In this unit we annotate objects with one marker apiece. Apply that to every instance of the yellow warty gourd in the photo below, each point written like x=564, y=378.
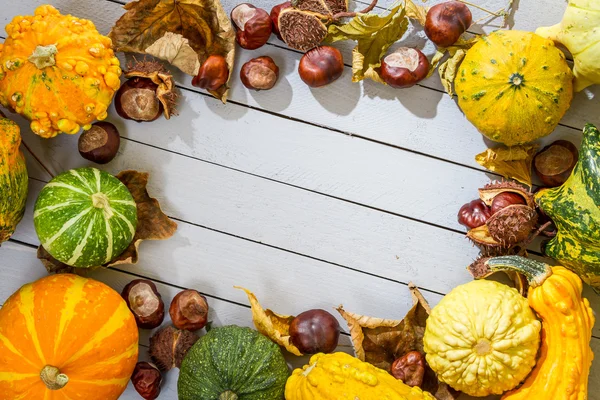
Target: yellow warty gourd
x=339, y=376
x=482, y=338
x=578, y=31
x=57, y=71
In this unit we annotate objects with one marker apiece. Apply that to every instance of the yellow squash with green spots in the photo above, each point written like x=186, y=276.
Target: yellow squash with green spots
x=482, y=338
x=57, y=71
x=339, y=376
x=575, y=209
x=13, y=178
x=514, y=86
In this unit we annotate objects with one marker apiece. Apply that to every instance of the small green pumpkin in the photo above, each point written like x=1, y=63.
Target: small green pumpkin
x=575, y=209
x=13, y=178
x=85, y=217
x=233, y=363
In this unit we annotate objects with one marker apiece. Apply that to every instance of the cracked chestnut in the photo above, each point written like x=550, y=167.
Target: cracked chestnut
x=169, y=346
x=253, y=26
x=404, y=68
x=213, y=73
x=445, y=22
x=189, y=310
x=146, y=380
x=144, y=301
x=315, y=331
x=506, y=199
x=321, y=66
x=100, y=143
x=410, y=368
x=136, y=99
x=260, y=73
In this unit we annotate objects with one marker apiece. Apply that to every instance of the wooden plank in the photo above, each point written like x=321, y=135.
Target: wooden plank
x=401, y=118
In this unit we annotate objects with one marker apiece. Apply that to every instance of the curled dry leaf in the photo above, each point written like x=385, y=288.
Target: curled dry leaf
x=153, y=224
x=380, y=341
x=416, y=12
x=448, y=69
x=274, y=326
x=511, y=162
x=145, y=26
x=374, y=34
x=156, y=72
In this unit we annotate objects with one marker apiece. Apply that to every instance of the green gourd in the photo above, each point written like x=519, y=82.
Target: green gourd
x=233, y=363
x=13, y=178
x=575, y=209
x=85, y=217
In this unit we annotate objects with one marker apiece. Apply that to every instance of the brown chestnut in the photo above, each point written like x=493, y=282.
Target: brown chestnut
x=146, y=380
x=275, y=17
x=253, y=26
x=145, y=303
x=506, y=199
x=410, y=368
x=189, y=310
x=136, y=100
x=169, y=346
x=445, y=22
x=100, y=143
x=213, y=73
x=555, y=162
x=315, y=331
x=260, y=73
x=404, y=67
x=321, y=66
x=474, y=214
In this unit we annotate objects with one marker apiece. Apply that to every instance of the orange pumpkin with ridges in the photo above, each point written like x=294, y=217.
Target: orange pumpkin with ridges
x=65, y=337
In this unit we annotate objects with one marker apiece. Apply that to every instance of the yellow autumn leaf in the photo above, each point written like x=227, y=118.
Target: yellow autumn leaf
x=510, y=162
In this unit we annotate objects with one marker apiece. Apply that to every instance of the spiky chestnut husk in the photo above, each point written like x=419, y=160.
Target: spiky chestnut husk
x=512, y=224
x=169, y=346
x=157, y=73
x=301, y=30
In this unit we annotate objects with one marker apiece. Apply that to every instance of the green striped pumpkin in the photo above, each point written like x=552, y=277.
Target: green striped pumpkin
x=85, y=217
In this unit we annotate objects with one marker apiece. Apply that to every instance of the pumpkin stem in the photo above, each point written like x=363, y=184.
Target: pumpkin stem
x=536, y=272
x=52, y=378
x=43, y=56
x=100, y=200
x=228, y=395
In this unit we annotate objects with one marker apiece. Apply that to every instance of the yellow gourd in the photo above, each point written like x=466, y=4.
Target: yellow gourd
x=339, y=376
x=482, y=338
x=567, y=320
x=514, y=86
x=57, y=71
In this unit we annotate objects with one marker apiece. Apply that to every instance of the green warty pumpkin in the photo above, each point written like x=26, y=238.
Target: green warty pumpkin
x=85, y=217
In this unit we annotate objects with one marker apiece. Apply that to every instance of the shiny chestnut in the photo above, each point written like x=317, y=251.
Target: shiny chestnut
x=321, y=66
x=100, y=143
x=145, y=303
x=315, y=331
x=189, y=310
x=404, y=68
x=253, y=26
x=213, y=73
x=136, y=99
x=275, y=17
x=555, y=162
x=146, y=380
x=410, y=368
x=506, y=199
x=445, y=22
x=474, y=214
x=260, y=73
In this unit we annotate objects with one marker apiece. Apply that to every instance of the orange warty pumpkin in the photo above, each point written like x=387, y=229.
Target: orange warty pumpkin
x=57, y=71
x=65, y=337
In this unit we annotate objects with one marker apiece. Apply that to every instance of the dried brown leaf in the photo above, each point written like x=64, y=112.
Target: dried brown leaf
x=381, y=341
x=274, y=326
x=153, y=224
x=156, y=72
x=203, y=23
x=175, y=49
x=511, y=162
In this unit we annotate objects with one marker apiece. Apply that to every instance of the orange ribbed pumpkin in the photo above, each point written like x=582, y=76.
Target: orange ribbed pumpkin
x=65, y=337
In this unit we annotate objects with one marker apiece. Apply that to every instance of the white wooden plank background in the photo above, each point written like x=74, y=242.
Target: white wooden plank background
x=309, y=197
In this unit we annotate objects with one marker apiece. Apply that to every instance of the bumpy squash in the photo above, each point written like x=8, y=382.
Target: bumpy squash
x=65, y=337
x=13, y=178
x=233, y=363
x=57, y=71
x=575, y=209
x=514, y=86
x=482, y=338
x=339, y=376
x=578, y=32
x=565, y=359
x=85, y=217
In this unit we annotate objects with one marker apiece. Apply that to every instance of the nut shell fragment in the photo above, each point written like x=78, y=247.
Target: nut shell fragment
x=301, y=30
